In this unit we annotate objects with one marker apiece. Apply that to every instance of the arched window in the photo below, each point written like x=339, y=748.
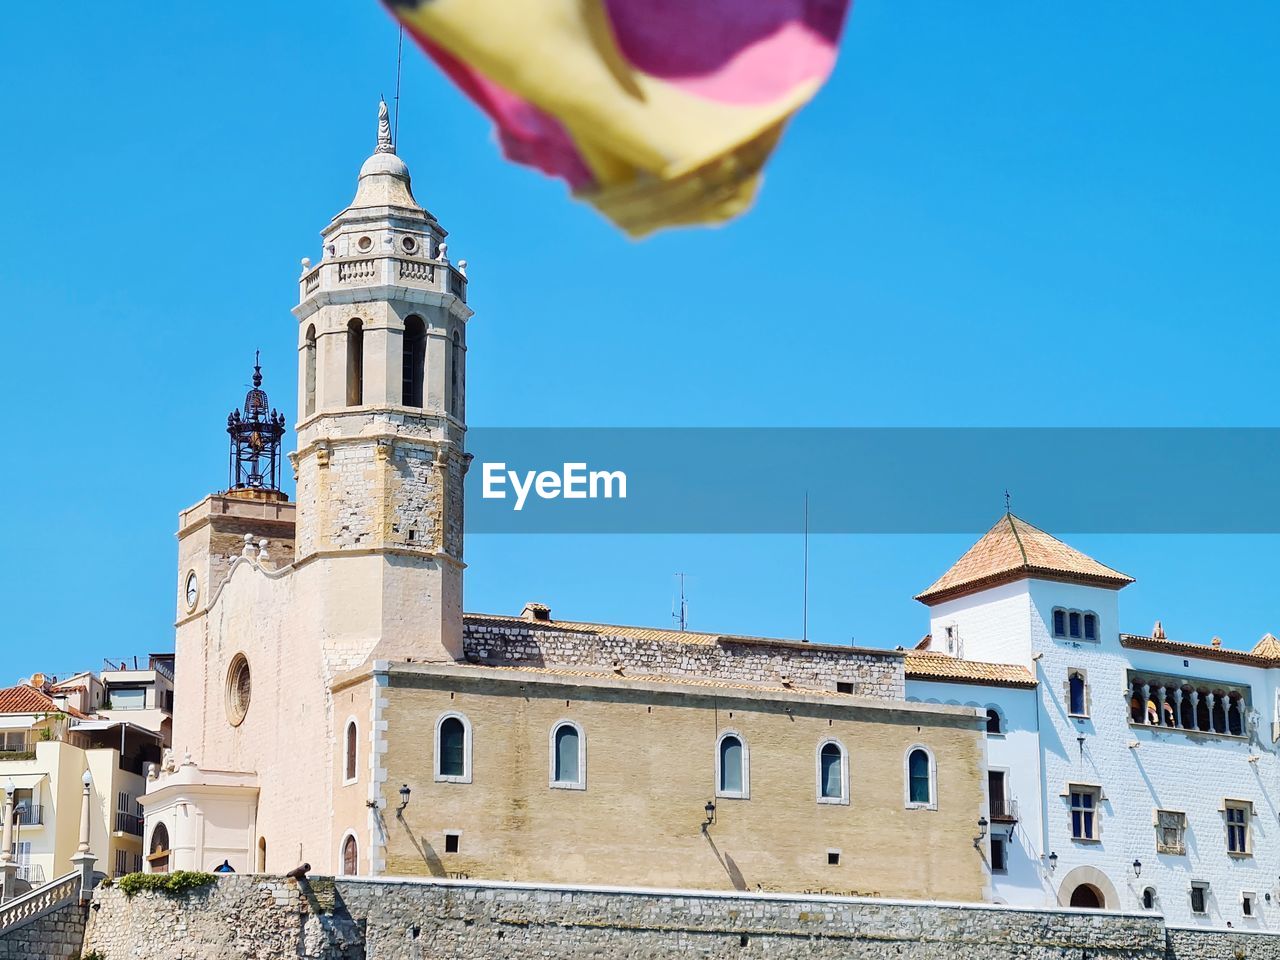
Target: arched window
x=262, y=855
x=453, y=749
x=159, y=849
x=415, y=361
x=995, y=725
x=455, y=376
x=309, y=370
x=833, y=773
x=355, y=363
x=732, y=768
x=349, y=758
x=1077, y=702
x=350, y=856
x=568, y=757
x=921, y=773
x=1149, y=898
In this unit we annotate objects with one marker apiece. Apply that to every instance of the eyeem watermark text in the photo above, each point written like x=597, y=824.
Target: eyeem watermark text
x=573, y=482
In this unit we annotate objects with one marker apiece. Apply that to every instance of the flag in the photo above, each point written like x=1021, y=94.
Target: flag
x=658, y=112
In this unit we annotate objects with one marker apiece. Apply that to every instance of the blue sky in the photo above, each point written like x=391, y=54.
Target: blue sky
x=1035, y=214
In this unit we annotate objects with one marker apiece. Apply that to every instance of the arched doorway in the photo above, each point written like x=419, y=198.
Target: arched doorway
x=159, y=855
x=1088, y=897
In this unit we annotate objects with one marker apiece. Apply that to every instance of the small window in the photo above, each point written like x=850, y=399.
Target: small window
x=731, y=760
x=920, y=774
x=1149, y=898
x=1090, y=627
x=455, y=376
x=349, y=764
x=833, y=858
x=568, y=757
x=355, y=363
x=1199, y=898
x=1237, y=815
x=995, y=726
x=1077, y=705
x=999, y=854
x=833, y=773
x=414, y=361
x=1171, y=829
x=1059, y=623
x=1074, y=631
x=1248, y=903
x=1084, y=813
x=843, y=686
x=453, y=749
x=309, y=373
x=350, y=857
x=452, y=842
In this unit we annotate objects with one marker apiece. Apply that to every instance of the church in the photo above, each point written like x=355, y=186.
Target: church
x=335, y=706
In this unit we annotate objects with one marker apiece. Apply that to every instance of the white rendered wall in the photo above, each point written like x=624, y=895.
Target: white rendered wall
x=992, y=625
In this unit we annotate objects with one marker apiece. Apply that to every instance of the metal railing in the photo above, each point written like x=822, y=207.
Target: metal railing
x=32, y=873
x=29, y=815
x=40, y=901
x=1005, y=811
x=128, y=823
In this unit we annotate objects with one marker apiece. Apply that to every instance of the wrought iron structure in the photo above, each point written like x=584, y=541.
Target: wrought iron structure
x=255, y=439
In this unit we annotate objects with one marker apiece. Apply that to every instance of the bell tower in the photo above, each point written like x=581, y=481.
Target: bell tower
x=381, y=461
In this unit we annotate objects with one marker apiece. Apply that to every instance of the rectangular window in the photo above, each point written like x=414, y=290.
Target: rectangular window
x=1237, y=829
x=128, y=698
x=1059, y=623
x=1199, y=896
x=999, y=854
x=1171, y=828
x=1084, y=813
x=13, y=741
x=1074, y=620
x=1247, y=903
x=452, y=842
x=843, y=687
x=833, y=858
x=1090, y=627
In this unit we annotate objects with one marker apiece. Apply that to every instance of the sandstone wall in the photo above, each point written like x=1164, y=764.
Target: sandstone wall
x=269, y=918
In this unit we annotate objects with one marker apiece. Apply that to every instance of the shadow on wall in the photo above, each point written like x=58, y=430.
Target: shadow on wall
x=329, y=922
x=726, y=861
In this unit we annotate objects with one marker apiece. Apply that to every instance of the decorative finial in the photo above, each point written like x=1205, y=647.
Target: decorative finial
x=384, y=130
x=1157, y=632
x=257, y=368
x=1008, y=501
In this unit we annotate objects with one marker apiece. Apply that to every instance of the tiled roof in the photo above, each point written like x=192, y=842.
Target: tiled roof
x=1265, y=654
x=27, y=699
x=1014, y=550
x=937, y=666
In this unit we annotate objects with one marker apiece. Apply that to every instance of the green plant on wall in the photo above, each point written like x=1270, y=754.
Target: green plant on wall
x=176, y=884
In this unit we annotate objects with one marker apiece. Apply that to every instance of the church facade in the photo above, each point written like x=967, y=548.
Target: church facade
x=336, y=707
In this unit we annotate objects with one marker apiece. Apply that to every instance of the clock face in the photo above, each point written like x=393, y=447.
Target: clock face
x=193, y=589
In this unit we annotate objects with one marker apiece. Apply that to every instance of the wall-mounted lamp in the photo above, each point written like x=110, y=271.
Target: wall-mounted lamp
x=405, y=794
x=710, y=811
x=1137, y=868
x=1053, y=863
x=982, y=832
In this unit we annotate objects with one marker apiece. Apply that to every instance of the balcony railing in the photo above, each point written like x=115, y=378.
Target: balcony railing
x=33, y=873
x=1004, y=811
x=30, y=815
x=128, y=823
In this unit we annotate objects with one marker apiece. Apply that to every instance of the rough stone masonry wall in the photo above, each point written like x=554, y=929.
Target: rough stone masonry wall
x=55, y=936
x=259, y=918
x=872, y=673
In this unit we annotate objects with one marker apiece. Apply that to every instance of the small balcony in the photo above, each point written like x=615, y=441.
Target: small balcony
x=29, y=815
x=1004, y=811
x=32, y=873
x=128, y=823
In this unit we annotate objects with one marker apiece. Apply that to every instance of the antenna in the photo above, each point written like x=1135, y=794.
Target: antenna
x=399, y=64
x=804, y=627
x=681, y=617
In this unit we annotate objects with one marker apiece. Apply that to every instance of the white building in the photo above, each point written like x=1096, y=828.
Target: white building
x=1144, y=771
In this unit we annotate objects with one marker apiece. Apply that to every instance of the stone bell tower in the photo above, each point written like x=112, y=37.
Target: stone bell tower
x=380, y=462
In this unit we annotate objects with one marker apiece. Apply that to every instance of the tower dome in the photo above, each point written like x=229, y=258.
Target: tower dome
x=384, y=178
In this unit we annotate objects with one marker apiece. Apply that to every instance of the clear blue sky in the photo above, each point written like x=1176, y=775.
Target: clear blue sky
x=1035, y=214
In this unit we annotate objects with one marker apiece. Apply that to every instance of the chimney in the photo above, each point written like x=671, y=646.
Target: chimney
x=538, y=612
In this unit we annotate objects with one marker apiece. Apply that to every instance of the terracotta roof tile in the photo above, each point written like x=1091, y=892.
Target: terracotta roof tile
x=1265, y=654
x=27, y=699
x=1014, y=550
x=937, y=666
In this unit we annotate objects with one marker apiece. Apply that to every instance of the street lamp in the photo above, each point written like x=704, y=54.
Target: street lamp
x=405, y=794
x=1053, y=863
x=982, y=832
x=710, y=811
x=1137, y=868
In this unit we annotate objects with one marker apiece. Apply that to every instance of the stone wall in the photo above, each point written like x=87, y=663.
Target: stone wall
x=260, y=918
x=55, y=936
x=509, y=642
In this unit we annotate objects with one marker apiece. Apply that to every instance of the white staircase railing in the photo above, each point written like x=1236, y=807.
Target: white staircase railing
x=40, y=901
